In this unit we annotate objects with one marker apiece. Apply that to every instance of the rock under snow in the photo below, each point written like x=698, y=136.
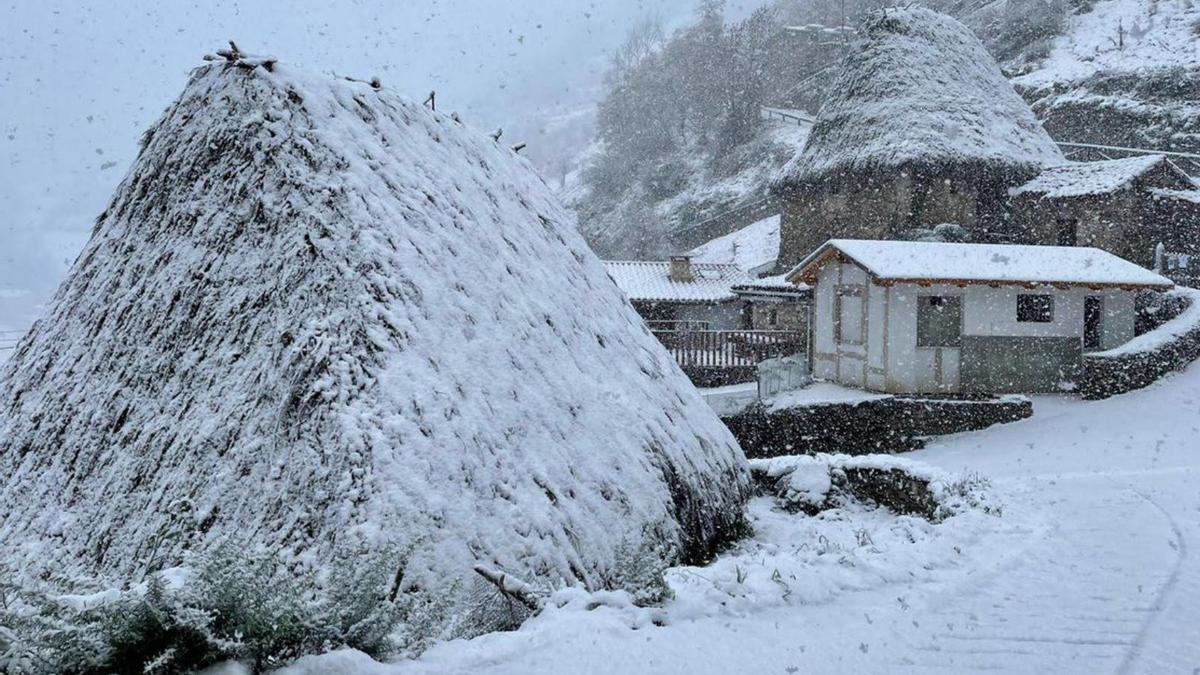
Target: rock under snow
x=319, y=318
x=754, y=248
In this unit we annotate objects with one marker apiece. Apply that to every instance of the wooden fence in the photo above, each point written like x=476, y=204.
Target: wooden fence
x=730, y=348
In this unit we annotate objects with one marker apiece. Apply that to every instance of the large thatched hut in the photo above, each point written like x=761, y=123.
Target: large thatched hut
x=322, y=321
x=921, y=128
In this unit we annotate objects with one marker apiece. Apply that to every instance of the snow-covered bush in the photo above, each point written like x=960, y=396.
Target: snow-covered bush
x=816, y=483
x=230, y=604
x=637, y=567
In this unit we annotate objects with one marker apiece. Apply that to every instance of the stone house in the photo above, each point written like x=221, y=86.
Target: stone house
x=917, y=317
x=922, y=128
x=680, y=294
x=772, y=303
x=776, y=304
x=1124, y=206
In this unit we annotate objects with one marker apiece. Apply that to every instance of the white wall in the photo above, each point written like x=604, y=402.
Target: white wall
x=891, y=361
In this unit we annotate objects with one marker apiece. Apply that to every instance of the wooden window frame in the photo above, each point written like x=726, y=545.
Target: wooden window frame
x=957, y=342
x=1049, y=309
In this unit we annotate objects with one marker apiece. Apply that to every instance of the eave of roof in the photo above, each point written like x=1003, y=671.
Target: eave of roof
x=806, y=272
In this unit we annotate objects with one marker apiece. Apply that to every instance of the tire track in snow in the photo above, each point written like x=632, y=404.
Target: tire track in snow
x=1168, y=587
x=1076, y=601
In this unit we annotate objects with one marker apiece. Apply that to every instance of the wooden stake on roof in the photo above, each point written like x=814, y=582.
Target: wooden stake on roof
x=231, y=54
x=431, y=100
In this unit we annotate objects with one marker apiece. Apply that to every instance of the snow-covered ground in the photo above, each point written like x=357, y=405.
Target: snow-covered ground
x=733, y=398
x=821, y=393
x=1122, y=36
x=1091, y=568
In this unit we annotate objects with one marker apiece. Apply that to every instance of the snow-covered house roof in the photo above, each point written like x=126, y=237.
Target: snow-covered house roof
x=1081, y=179
x=650, y=281
x=326, y=321
x=754, y=248
x=928, y=262
x=776, y=285
x=1191, y=196
x=919, y=89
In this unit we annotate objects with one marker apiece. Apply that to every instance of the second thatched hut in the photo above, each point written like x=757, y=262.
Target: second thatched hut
x=921, y=128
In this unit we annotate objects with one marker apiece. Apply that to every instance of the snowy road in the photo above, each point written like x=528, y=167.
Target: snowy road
x=1100, y=573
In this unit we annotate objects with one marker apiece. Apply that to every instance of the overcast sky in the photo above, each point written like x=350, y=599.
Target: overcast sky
x=81, y=80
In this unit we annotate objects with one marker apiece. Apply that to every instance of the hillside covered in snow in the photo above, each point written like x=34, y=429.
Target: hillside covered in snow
x=1123, y=72
x=321, y=321
x=1110, y=72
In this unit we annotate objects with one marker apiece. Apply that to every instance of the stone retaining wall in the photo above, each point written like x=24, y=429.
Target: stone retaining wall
x=719, y=376
x=889, y=424
x=1166, y=349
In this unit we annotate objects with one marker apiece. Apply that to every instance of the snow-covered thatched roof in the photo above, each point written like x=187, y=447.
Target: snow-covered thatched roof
x=920, y=262
x=754, y=248
x=650, y=281
x=324, y=320
x=919, y=89
x=1082, y=179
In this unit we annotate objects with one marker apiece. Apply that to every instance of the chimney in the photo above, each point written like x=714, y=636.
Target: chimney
x=681, y=268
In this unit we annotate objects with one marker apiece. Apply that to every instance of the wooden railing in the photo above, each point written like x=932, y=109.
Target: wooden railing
x=730, y=348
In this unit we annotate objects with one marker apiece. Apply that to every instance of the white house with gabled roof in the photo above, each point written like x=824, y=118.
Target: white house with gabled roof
x=917, y=317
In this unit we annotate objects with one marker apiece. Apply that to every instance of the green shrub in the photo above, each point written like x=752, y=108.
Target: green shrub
x=638, y=568
x=234, y=605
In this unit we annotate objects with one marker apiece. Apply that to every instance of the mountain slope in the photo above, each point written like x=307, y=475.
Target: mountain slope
x=1125, y=73
x=322, y=320
x=1112, y=72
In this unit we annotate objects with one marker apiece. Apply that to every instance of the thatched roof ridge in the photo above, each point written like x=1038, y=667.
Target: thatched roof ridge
x=920, y=90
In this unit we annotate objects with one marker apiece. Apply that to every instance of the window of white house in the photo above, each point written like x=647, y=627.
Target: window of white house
x=773, y=318
x=848, y=315
x=939, y=321
x=1035, y=308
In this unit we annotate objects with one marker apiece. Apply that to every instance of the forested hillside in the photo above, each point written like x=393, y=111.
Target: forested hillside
x=680, y=119
x=681, y=137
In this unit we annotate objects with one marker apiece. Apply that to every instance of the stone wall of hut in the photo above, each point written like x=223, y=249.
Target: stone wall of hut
x=1116, y=223
x=883, y=207
x=787, y=315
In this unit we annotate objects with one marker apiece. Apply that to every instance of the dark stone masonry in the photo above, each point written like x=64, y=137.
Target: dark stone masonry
x=884, y=425
x=1105, y=375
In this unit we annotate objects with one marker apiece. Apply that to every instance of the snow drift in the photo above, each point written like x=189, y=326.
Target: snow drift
x=319, y=318
x=919, y=89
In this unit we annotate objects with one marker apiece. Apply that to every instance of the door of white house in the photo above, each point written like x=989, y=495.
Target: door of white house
x=939, y=341
x=1093, y=323
x=850, y=334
